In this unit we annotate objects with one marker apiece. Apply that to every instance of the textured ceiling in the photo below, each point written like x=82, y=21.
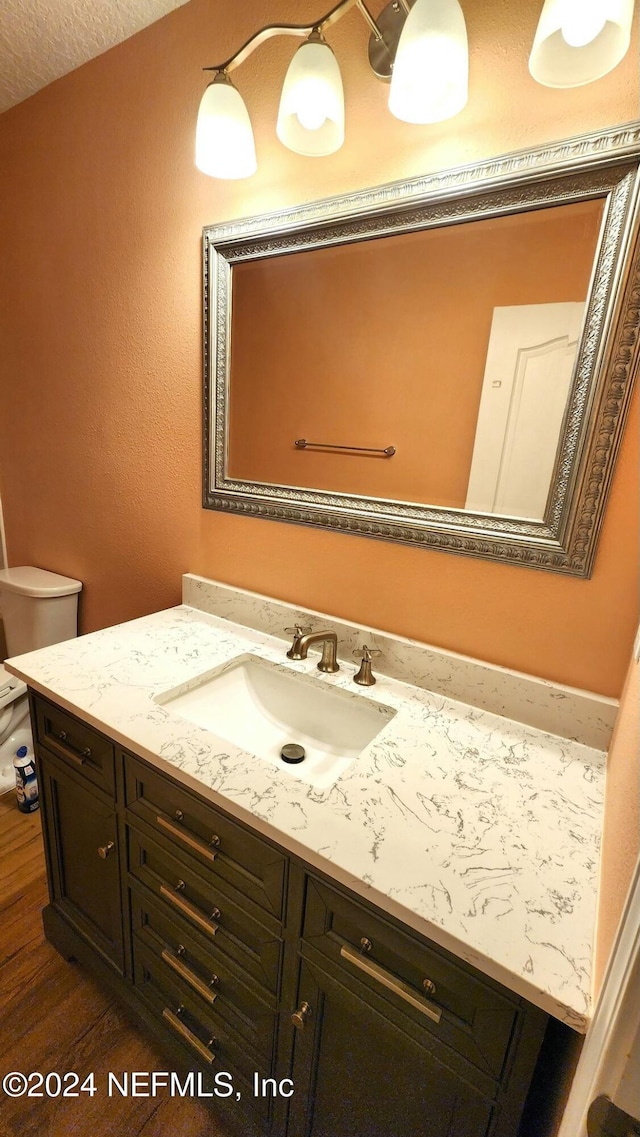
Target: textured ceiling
x=40, y=40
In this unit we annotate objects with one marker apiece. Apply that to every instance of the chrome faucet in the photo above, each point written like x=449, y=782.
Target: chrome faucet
x=303, y=638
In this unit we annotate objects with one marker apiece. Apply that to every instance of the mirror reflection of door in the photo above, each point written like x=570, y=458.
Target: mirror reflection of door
x=528, y=372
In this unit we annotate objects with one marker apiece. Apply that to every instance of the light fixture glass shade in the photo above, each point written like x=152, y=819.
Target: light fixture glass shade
x=430, y=77
x=311, y=114
x=224, y=138
x=578, y=41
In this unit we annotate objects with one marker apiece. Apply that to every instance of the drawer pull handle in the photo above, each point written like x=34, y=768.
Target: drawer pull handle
x=185, y=973
x=79, y=759
x=187, y=839
x=189, y=910
x=386, y=979
x=189, y=1036
x=299, y=1017
x=105, y=850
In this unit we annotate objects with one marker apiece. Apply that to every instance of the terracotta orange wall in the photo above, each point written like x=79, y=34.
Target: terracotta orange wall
x=101, y=212
x=621, y=835
x=384, y=343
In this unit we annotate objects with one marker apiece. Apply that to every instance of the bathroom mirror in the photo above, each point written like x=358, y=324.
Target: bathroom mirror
x=445, y=361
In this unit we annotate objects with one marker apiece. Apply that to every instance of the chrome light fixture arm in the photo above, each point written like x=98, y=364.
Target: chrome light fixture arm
x=301, y=31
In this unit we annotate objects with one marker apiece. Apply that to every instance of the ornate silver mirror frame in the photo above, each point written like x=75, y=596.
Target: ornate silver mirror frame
x=604, y=165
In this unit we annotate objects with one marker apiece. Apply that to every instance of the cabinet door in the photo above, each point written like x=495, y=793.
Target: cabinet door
x=81, y=834
x=356, y=1072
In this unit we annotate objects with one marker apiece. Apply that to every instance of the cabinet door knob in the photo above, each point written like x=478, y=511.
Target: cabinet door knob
x=86, y=753
x=299, y=1017
x=62, y=736
x=429, y=986
x=105, y=850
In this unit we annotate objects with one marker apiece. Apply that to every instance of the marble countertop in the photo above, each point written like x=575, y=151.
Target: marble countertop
x=481, y=833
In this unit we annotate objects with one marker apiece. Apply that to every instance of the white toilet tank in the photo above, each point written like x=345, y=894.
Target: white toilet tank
x=38, y=608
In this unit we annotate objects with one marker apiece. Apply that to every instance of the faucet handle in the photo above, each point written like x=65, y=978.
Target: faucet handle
x=364, y=676
x=298, y=631
x=366, y=653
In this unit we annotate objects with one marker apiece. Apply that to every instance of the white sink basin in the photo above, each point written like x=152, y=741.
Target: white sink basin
x=260, y=707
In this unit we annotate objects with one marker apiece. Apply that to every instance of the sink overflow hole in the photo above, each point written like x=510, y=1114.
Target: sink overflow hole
x=292, y=752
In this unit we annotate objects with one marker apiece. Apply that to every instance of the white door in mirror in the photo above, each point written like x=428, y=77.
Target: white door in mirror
x=530, y=361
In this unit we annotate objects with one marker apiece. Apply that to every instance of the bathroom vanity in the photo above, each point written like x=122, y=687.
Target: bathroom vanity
x=368, y=957
x=257, y=966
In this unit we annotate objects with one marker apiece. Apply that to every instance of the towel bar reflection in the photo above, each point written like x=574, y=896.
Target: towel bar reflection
x=387, y=452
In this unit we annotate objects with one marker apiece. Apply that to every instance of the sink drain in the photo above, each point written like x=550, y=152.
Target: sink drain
x=293, y=753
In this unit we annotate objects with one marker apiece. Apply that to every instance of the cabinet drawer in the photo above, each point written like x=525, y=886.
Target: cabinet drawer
x=205, y=1037
x=213, y=981
x=475, y=1018
x=204, y=836
x=84, y=749
x=195, y=901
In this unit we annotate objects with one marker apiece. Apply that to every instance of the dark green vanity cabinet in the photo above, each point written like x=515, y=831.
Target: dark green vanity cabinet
x=332, y=1018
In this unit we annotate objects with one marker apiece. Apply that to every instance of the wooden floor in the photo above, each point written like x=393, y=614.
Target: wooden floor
x=54, y=1019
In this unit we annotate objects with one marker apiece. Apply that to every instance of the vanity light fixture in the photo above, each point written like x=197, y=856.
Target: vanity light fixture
x=311, y=115
x=421, y=47
x=224, y=138
x=578, y=41
x=430, y=79
x=426, y=39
